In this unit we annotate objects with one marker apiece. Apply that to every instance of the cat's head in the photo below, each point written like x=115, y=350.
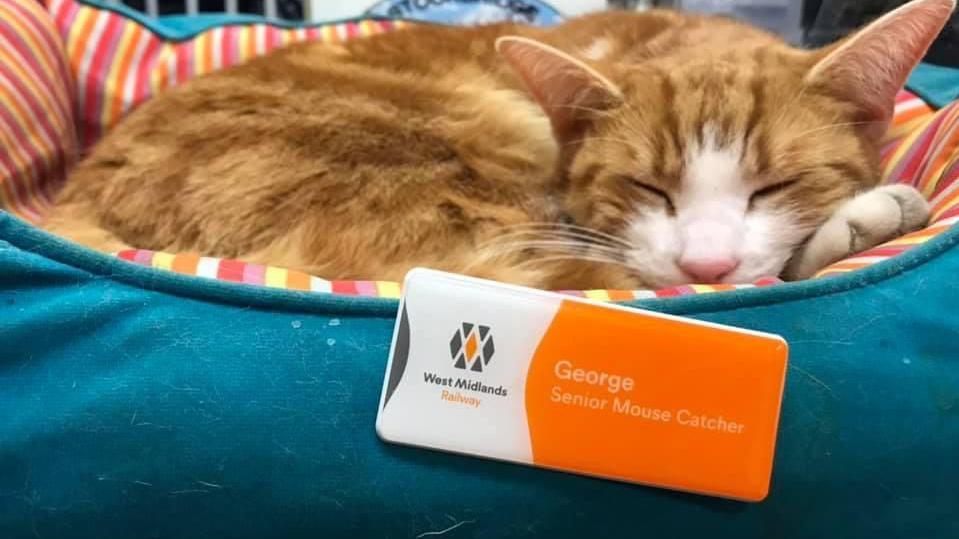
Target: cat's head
x=716, y=164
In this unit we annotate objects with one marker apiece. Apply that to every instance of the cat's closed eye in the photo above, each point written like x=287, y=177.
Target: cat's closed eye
x=655, y=191
x=769, y=191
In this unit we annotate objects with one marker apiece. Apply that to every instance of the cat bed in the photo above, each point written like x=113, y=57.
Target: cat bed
x=144, y=402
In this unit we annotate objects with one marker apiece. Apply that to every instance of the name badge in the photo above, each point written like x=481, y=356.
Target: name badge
x=509, y=373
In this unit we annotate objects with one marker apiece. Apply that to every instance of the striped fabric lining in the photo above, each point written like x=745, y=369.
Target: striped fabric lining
x=118, y=64
x=37, y=137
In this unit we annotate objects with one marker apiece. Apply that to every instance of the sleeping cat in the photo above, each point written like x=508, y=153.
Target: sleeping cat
x=619, y=150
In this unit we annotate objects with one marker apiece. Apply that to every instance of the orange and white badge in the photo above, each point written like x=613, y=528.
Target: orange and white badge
x=510, y=373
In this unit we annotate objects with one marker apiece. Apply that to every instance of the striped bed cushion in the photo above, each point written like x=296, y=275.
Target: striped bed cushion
x=117, y=64
x=37, y=136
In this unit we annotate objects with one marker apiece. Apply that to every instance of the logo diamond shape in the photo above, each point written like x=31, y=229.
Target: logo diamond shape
x=471, y=347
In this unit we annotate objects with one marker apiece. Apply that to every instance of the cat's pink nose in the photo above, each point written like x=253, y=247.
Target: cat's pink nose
x=708, y=270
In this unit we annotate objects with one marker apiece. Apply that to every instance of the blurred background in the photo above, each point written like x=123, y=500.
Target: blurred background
x=807, y=22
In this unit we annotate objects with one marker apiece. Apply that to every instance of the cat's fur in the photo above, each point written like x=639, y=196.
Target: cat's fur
x=655, y=149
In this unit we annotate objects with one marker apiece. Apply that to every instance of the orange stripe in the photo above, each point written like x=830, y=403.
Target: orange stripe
x=620, y=295
x=159, y=75
x=946, y=204
x=208, y=53
x=907, y=116
x=250, y=33
x=121, y=75
x=186, y=263
x=296, y=280
x=78, y=39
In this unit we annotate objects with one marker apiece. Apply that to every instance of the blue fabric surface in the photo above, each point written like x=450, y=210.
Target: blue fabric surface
x=139, y=403
x=937, y=85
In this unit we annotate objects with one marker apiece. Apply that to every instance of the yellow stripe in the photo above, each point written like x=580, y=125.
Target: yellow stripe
x=77, y=31
x=910, y=240
x=702, y=288
x=163, y=261
x=200, y=46
x=388, y=289
x=598, y=295
x=243, y=45
x=275, y=277
x=326, y=33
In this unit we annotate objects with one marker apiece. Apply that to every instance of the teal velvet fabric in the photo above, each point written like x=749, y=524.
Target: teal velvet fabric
x=937, y=85
x=139, y=403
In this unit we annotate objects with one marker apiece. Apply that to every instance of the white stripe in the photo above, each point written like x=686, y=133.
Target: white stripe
x=192, y=7
x=92, y=45
x=341, y=31
x=217, y=38
x=171, y=66
x=910, y=105
x=207, y=267
x=153, y=8
x=259, y=39
x=270, y=8
x=231, y=6
x=953, y=187
x=320, y=285
x=863, y=259
x=129, y=85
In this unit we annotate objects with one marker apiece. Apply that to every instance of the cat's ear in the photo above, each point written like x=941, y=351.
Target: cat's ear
x=568, y=90
x=870, y=67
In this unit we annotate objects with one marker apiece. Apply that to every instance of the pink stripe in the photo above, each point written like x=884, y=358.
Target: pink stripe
x=254, y=274
x=151, y=56
x=366, y=288
x=272, y=38
x=143, y=257
x=230, y=46
x=184, y=61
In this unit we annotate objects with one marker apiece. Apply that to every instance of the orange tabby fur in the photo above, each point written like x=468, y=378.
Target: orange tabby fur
x=422, y=147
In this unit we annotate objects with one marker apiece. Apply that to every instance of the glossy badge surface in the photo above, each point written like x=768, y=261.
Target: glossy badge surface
x=516, y=374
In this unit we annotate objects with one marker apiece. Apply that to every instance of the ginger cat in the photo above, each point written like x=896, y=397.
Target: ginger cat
x=619, y=150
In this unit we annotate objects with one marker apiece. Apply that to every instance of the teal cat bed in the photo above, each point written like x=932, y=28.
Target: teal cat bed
x=140, y=403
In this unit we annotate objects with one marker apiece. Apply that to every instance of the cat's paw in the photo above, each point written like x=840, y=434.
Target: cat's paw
x=862, y=223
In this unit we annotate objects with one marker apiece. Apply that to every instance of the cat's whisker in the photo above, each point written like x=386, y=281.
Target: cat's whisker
x=571, y=226
x=553, y=235
x=825, y=127
x=587, y=109
x=785, y=110
x=586, y=258
x=554, y=245
x=605, y=139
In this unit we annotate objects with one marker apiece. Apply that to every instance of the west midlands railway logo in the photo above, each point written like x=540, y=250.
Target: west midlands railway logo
x=472, y=347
